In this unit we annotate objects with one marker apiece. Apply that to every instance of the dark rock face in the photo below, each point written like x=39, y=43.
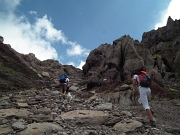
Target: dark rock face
x=163, y=34
x=165, y=43
x=1, y=39
x=14, y=73
x=113, y=64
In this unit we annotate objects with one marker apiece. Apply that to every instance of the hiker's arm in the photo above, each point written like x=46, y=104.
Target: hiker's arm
x=67, y=81
x=134, y=83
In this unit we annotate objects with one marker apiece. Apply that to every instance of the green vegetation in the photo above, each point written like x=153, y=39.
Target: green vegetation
x=7, y=69
x=173, y=90
x=168, y=44
x=38, y=87
x=24, y=89
x=157, y=55
x=39, y=72
x=177, y=104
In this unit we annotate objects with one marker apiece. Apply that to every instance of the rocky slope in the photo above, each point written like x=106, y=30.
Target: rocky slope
x=14, y=73
x=24, y=71
x=42, y=112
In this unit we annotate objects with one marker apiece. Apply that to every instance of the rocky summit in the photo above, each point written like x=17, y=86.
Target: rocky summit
x=100, y=101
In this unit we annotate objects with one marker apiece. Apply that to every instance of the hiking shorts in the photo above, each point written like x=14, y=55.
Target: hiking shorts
x=144, y=93
x=63, y=87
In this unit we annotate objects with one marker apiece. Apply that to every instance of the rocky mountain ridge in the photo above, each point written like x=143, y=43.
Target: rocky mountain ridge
x=101, y=104
x=160, y=59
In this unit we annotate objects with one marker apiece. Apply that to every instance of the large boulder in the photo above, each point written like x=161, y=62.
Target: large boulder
x=39, y=128
x=85, y=117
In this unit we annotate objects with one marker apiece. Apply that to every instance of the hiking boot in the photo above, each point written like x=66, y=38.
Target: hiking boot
x=64, y=96
x=152, y=123
x=61, y=97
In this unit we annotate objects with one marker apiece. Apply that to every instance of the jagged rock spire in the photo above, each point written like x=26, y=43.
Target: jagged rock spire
x=1, y=39
x=170, y=21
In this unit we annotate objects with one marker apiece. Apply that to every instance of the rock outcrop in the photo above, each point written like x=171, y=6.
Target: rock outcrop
x=1, y=39
x=111, y=65
x=164, y=44
x=162, y=34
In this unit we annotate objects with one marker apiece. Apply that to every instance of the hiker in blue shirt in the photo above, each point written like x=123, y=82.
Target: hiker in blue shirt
x=64, y=80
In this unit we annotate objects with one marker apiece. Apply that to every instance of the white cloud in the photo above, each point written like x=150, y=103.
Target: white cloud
x=24, y=38
x=37, y=37
x=172, y=10
x=77, y=49
x=81, y=65
x=45, y=28
x=33, y=12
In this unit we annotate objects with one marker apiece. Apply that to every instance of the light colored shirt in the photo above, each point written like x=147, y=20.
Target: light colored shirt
x=67, y=80
x=135, y=77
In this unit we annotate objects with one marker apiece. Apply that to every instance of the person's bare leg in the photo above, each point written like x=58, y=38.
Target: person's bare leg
x=152, y=122
x=61, y=90
x=148, y=111
x=65, y=89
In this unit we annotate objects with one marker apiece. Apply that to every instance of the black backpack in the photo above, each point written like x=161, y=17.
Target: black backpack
x=144, y=79
x=63, y=79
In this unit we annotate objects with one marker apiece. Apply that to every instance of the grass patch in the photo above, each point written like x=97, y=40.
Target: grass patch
x=157, y=55
x=168, y=44
x=7, y=69
x=38, y=87
x=39, y=72
x=173, y=90
x=24, y=89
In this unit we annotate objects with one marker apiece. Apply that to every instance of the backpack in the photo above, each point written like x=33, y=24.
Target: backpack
x=63, y=79
x=144, y=79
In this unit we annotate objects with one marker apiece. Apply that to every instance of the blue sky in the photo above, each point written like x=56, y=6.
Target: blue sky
x=67, y=30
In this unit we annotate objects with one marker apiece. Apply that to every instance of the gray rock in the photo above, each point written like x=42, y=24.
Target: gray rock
x=126, y=127
x=19, y=125
x=85, y=117
x=39, y=128
x=105, y=106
